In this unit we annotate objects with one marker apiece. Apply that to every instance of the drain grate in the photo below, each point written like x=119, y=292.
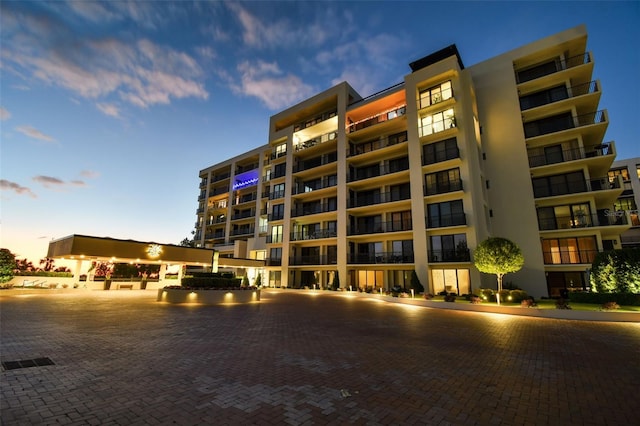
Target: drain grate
x=25, y=363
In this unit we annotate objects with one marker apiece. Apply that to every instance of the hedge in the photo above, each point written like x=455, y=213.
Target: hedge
x=211, y=282
x=628, y=299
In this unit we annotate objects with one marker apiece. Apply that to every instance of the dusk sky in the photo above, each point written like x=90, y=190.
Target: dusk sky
x=110, y=109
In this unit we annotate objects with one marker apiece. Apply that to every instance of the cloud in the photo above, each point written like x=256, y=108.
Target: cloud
x=140, y=72
x=109, y=109
x=266, y=82
x=6, y=185
x=34, y=133
x=89, y=174
x=49, y=181
x=4, y=114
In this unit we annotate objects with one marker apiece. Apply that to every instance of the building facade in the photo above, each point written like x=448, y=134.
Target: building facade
x=627, y=203
x=364, y=191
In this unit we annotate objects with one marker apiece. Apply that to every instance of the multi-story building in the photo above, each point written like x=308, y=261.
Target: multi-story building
x=627, y=203
x=414, y=177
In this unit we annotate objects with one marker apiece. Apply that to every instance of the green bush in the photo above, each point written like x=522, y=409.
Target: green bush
x=44, y=274
x=211, y=282
x=518, y=296
x=627, y=299
x=616, y=271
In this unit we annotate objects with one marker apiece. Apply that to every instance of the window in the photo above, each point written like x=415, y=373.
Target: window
x=549, y=186
x=402, y=251
x=398, y=138
x=401, y=221
x=279, y=170
x=440, y=151
x=547, y=125
x=442, y=182
x=277, y=212
x=278, y=191
x=625, y=204
x=281, y=150
x=613, y=174
x=275, y=278
x=400, y=192
x=451, y=281
x=276, y=234
x=450, y=213
x=276, y=254
x=332, y=255
x=544, y=97
x=558, y=251
x=448, y=248
x=565, y=217
x=437, y=122
x=436, y=94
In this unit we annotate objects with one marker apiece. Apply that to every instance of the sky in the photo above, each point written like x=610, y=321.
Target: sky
x=109, y=110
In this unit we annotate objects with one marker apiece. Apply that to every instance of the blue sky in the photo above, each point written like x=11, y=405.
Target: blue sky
x=110, y=109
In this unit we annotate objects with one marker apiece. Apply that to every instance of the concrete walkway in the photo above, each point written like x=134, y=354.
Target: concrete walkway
x=299, y=358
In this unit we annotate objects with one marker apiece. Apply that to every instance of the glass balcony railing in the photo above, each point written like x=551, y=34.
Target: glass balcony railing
x=316, y=208
x=451, y=255
x=301, y=188
x=442, y=187
x=382, y=257
x=317, y=259
x=313, y=234
x=606, y=218
x=242, y=231
x=556, y=94
x=390, y=226
x=555, y=156
x=562, y=122
x=376, y=144
x=311, y=163
x=550, y=67
x=327, y=137
x=441, y=221
x=544, y=187
x=569, y=256
x=378, y=118
x=379, y=170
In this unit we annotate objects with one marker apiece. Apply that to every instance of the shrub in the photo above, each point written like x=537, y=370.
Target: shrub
x=428, y=296
x=562, y=304
x=609, y=306
x=475, y=300
x=616, y=271
x=504, y=295
x=211, y=282
x=442, y=293
x=518, y=296
x=627, y=299
x=529, y=302
x=451, y=297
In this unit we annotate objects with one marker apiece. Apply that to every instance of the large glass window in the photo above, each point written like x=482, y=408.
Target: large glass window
x=276, y=234
x=442, y=182
x=569, y=250
x=448, y=248
x=436, y=94
x=449, y=213
x=614, y=173
x=437, y=122
x=440, y=151
x=565, y=217
x=569, y=183
x=451, y=281
x=275, y=278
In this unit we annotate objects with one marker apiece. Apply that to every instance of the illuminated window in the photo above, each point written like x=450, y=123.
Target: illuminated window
x=613, y=173
x=436, y=94
x=451, y=281
x=276, y=234
x=558, y=251
x=281, y=150
x=437, y=122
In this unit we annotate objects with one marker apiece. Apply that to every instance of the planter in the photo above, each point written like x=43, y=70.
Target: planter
x=208, y=297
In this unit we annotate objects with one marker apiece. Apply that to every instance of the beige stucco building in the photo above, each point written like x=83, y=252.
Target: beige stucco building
x=416, y=176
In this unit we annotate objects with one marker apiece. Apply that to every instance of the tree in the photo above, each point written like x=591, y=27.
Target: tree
x=7, y=265
x=498, y=256
x=258, y=281
x=23, y=265
x=49, y=264
x=616, y=271
x=336, y=281
x=416, y=285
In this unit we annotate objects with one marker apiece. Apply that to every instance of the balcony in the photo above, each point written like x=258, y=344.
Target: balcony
x=244, y=214
x=551, y=67
x=557, y=94
x=388, y=167
x=305, y=210
x=242, y=231
x=277, y=153
x=246, y=168
x=315, y=120
x=305, y=235
x=554, y=155
x=379, y=198
x=443, y=187
x=247, y=198
x=376, y=144
x=379, y=258
x=327, y=137
x=377, y=118
x=274, y=239
x=221, y=176
x=456, y=219
x=313, y=260
x=273, y=261
x=543, y=187
x=577, y=221
x=275, y=216
x=314, y=185
x=311, y=163
x=390, y=226
x=569, y=257
x=203, y=183
x=563, y=122
x=214, y=236
x=433, y=156
x=450, y=255
x=276, y=194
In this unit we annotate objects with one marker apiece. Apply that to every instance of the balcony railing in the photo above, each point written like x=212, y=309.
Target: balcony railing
x=362, y=148
x=562, y=122
x=301, y=188
x=243, y=215
x=452, y=255
x=273, y=261
x=440, y=156
x=216, y=221
x=245, y=198
x=379, y=198
x=391, y=226
x=555, y=95
x=305, y=210
x=318, y=259
x=214, y=236
x=246, y=168
x=242, y=231
x=380, y=170
x=596, y=184
x=607, y=218
x=315, y=162
x=273, y=239
x=568, y=256
x=315, y=120
x=382, y=257
x=277, y=154
x=313, y=235
x=275, y=216
x=441, y=221
x=443, y=187
x=222, y=176
x=551, y=67
x=276, y=194
x=378, y=118
x=327, y=137
x=569, y=155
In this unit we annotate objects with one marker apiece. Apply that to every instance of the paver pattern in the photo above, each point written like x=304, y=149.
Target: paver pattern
x=121, y=358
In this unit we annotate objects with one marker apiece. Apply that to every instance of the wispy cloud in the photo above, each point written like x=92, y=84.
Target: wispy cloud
x=266, y=82
x=6, y=185
x=34, y=133
x=49, y=181
x=89, y=174
x=140, y=72
x=4, y=114
x=109, y=109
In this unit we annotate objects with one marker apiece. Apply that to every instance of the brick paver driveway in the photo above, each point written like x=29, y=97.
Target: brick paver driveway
x=122, y=358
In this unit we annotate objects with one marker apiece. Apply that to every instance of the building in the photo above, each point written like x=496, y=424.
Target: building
x=627, y=203
x=367, y=190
